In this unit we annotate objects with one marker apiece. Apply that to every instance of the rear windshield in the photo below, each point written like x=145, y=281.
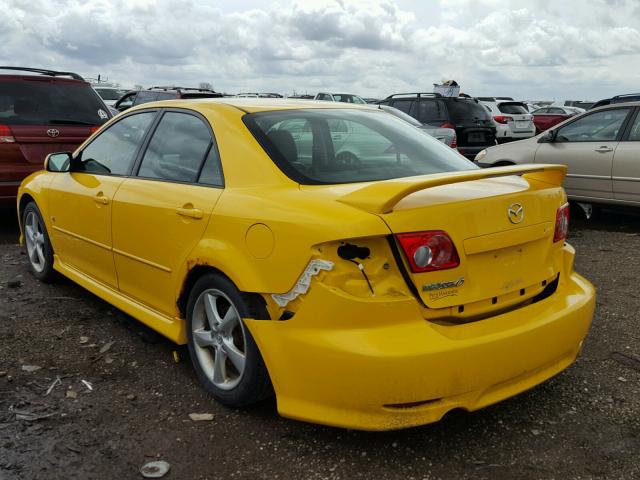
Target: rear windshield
x=512, y=108
x=332, y=146
x=34, y=102
x=462, y=111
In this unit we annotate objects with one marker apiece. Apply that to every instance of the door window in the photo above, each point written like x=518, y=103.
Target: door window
x=177, y=148
x=403, y=105
x=634, y=133
x=597, y=127
x=211, y=173
x=430, y=111
x=113, y=151
x=145, y=97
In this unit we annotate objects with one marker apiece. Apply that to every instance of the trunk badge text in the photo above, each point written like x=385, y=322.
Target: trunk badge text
x=515, y=213
x=53, y=132
x=442, y=285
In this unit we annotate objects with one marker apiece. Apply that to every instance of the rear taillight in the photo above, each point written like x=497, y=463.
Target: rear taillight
x=562, y=223
x=93, y=130
x=454, y=142
x=503, y=119
x=428, y=251
x=448, y=125
x=6, y=135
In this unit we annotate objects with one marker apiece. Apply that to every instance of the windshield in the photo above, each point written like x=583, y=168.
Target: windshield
x=45, y=102
x=110, y=93
x=332, y=146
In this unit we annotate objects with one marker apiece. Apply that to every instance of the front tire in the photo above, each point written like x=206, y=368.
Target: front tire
x=37, y=243
x=223, y=352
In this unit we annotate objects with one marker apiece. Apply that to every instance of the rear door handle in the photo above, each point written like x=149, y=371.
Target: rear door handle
x=101, y=199
x=189, y=211
x=604, y=149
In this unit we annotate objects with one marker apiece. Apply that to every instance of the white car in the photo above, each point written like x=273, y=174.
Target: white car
x=339, y=97
x=600, y=147
x=513, y=121
x=110, y=95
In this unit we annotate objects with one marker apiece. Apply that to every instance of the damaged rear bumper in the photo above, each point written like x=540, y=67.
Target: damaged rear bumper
x=377, y=364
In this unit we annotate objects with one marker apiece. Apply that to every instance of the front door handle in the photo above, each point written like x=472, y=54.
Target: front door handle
x=189, y=211
x=604, y=149
x=101, y=199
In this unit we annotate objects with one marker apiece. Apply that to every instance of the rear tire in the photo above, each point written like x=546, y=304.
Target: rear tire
x=37, y=244
x=223, y=352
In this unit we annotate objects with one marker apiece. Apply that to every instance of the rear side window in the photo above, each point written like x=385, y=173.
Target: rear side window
x=113, y=151
x=177, y=149
x=430, y=111
x=145, y=97
x=515, y=108
x=465, y=110
x=211, y=173
x=37, y=102
x=403, y=105
x=166, y=96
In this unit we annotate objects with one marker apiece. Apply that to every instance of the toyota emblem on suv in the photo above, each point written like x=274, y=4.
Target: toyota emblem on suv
x=53, y=132
x=515, y=213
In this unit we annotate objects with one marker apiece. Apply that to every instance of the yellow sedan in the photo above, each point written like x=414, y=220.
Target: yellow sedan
x=333, y=255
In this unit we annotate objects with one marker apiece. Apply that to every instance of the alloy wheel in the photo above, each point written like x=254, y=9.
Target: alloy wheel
x=219, y=339
x=34, y=239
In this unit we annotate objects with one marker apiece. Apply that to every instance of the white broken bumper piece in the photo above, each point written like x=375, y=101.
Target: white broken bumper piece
x=304, y=282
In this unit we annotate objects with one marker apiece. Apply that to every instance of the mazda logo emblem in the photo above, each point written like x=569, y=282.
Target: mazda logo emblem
x=515, y=213
x=53, y=132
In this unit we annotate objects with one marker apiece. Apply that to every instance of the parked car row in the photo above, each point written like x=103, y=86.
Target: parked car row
x=601, y=148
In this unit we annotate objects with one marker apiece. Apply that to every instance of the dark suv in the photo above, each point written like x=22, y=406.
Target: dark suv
x=472, y=122
x=153, y=94
x=42, y=111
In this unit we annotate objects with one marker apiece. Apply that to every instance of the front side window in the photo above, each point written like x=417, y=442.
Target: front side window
x=114, y=150
x=177, y=149
x=348, y=146
x=597, y=127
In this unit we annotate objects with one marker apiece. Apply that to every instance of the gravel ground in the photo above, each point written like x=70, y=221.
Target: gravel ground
x=583, y=424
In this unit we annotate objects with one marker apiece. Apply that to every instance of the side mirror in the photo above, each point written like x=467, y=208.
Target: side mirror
x=58, y=162
x=548, y=137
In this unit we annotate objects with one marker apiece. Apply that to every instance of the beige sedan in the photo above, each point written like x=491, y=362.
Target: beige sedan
x=601, y=147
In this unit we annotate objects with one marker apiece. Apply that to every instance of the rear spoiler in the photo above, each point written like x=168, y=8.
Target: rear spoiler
x=381, y=197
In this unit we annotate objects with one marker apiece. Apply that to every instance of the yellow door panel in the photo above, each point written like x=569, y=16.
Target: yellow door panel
x=155, y=226
x=80, y=207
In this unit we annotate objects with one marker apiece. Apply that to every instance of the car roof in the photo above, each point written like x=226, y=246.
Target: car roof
x=252, y=105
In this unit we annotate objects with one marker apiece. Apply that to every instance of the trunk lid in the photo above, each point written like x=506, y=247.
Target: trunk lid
x=498, y=258
x=37, y=141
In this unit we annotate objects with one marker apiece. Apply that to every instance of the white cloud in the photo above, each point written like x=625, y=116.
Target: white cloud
x=530, y=49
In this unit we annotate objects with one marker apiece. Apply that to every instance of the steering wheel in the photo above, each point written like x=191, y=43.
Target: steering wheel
x=348, y=158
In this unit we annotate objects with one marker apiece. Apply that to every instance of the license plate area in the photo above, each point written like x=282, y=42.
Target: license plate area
x=476, y=137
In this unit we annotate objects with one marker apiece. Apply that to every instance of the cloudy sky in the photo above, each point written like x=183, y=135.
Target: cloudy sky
x=530, y=49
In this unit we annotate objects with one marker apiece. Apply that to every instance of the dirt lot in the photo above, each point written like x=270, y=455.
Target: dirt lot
x=583, y=424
